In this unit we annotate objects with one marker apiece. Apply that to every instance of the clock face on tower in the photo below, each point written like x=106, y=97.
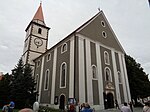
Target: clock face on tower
x=38, y=42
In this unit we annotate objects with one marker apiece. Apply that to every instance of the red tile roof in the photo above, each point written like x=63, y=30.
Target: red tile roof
x=39, y=14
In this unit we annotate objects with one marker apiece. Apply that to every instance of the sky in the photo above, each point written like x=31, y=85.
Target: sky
x=130, y=20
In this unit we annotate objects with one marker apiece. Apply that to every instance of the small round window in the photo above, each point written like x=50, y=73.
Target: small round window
x=103, y=23
x=104, y=34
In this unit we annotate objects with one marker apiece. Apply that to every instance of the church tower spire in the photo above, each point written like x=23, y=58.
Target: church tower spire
x=36, y=39
x=39, y=14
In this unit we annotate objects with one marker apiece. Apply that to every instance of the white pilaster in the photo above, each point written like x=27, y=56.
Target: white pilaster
x=126, y=77
x=99, y=72
x=81, y=71
x=71, y=77
x=116, y=77
x=123, y=78
x=41, y=78
x=89, y=73
x=54, y=76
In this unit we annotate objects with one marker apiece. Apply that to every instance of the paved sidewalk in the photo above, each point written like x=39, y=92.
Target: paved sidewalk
x=116, y=110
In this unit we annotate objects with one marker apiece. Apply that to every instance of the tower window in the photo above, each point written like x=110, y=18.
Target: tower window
x=39, y=31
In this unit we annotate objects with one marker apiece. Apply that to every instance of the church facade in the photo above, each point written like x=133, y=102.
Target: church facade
x=87, y=65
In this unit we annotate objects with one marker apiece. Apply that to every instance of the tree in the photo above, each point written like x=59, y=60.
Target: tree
x=30, y=86
x=4, y=89
x=138, y=79
x=22, y=86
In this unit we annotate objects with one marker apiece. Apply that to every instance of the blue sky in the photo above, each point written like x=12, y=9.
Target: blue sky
x=129, y=20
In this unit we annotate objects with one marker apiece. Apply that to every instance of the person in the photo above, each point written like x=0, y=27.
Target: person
x=5, y=108
x=146, y=107
x=26, y=110
x=82, y=106
x=11, y=106
x=125, y=108
x=116, y=103
x=72, y=108
x=131, y=106
x=87, y=108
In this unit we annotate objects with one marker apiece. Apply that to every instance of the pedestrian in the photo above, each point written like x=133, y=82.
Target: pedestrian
x=82, y=106
x=146, y=107
x=5, y=108
x=11, y=106
x=131, y=106
x=116, y=103
x=72, y=108
x=87, y=108
x=125, y=108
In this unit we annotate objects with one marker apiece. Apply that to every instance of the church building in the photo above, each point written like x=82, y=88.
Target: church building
x=88, y=65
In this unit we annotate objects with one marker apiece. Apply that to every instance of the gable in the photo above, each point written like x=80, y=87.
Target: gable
x=93, y=29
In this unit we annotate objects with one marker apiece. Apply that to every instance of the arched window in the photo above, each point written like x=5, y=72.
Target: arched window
x=106, y=58
x=108, y=76
x=63, y=73
x=94, y=71
x=64, y=48
x=39, y=31
x=48, y=57
x=38, y=63
x=37, y=81
x=46, y=82
x=119, y=77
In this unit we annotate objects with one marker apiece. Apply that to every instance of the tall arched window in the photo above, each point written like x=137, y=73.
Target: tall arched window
x=94, y=71
x=39, y=31
x=37, y=81
x=119, y=77
x=64, y=48
x=108, y=76
x=106, y=58
x=46, y=82
x=63, y=73
x=48, y=57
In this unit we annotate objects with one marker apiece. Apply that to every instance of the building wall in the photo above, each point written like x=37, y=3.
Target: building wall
x=86, y=49
x=62, y=58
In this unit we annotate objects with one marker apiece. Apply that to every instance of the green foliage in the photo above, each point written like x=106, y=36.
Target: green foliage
x=138, y=79
x=4, y=89
x=22, y=86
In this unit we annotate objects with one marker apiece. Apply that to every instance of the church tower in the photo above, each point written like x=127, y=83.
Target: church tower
x=36, y=39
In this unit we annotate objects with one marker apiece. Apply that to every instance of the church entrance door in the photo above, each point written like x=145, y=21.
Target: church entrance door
x=62, y=102
x=110, y=100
